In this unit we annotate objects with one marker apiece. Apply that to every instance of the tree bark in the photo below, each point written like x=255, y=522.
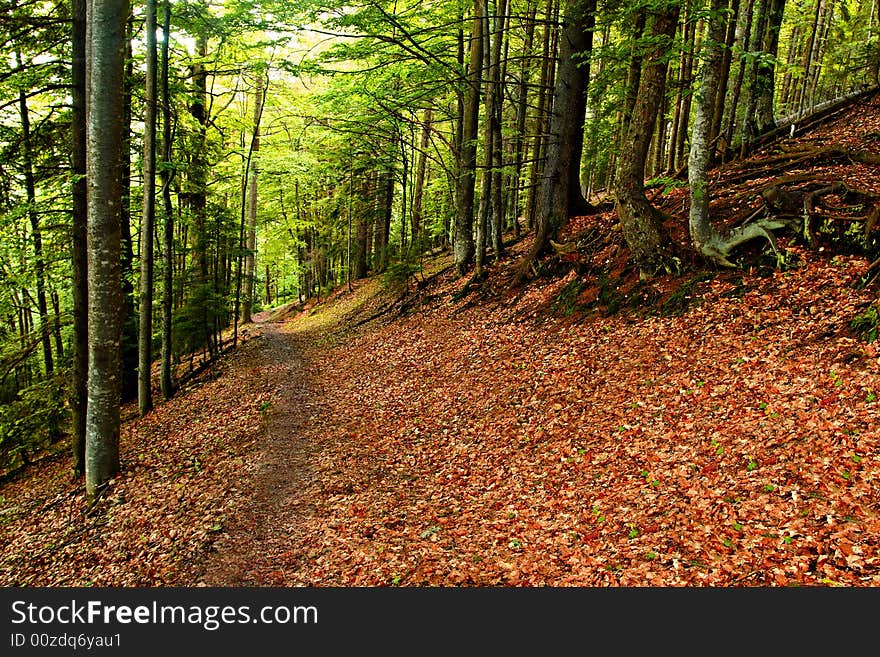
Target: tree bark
x=251, y=245
x=419, y=183
x=702, y=232
x=521, y=107
x=36, y=232
x=724, y=72
x=167, y=376
x=79, y=240
x=463, y=246
x=649, y=246
x=765, y=80
x=145, y=327
x=561, y=195
x=106, y=62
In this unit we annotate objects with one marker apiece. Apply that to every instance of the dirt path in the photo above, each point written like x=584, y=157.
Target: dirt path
x=270, y=520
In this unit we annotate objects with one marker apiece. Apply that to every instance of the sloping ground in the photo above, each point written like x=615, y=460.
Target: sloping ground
x=184, y=466
x=718, y=429
x=734, y=444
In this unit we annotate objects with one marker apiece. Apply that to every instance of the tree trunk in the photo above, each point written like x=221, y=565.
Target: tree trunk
x=702, y=232
x=145, y=330
x=724, y=72
x=492, y=47
x=129, y=340
x=543, y=111
x=79, y=240
x=521, y=107
x=648, y=245
x=106, y=62
x=36, y=232
x=419, y=183
x=744, y=26
x=765, y=80
x=167, y=377
x=561, y=195
x=251, y=245
x=749, y=126
x=463, y=246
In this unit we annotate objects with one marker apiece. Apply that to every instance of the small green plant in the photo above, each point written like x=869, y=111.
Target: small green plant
x=633, y=531
x=727, y=542
x=515, y=544
x=769, y=488
x=835, y=378
x=752, y=464
x=395, y=581
x=870, y=397
x=865, y=323
x=566, y=300
x=650, y=555
x=397, y=277
x=433, y=529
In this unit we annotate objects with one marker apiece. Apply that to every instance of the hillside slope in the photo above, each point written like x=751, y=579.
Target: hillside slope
x=590, y=429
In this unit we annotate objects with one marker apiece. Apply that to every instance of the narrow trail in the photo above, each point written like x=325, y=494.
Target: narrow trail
x=270, y=521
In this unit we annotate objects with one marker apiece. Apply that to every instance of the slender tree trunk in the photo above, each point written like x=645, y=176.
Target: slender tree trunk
x=492, y=45
x=749, y=126
x=561, y=195
x=419, y=183
x=802, y=98
x=145, y=330
x=463, y=246
x=36, y=232
x=521, y=107
x=129, y=341
x=702, y=232
x=79, y=240
x=167, y=378
x=543, y=111
x=724, y=72
x=745, y=25
x=765, y=78
x=56, y=324
x=251, y=246
x=649, y=247
x=106, y=62
x=691, y=45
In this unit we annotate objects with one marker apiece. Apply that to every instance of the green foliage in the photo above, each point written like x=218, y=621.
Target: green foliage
x=566, y=301
x=865, y=323
x=397, y=276
x=33, y=421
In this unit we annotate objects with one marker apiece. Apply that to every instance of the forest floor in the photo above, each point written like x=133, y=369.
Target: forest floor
x=718, y=428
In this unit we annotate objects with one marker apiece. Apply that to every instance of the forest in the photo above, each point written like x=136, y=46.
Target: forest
x=514, y=234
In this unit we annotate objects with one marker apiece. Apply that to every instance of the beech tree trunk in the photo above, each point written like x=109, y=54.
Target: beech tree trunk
x=702, y=232
x=167, y=376
x=561, y=194
x=765, y=80
x=251, y=241
x=106, y=63
x=463, y=246
x=145, y=327
x=79, y=241
x=649, y=247
x=36, y=232
x=419, y=183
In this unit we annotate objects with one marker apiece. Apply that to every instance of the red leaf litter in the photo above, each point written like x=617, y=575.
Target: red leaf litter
x=492, y=439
